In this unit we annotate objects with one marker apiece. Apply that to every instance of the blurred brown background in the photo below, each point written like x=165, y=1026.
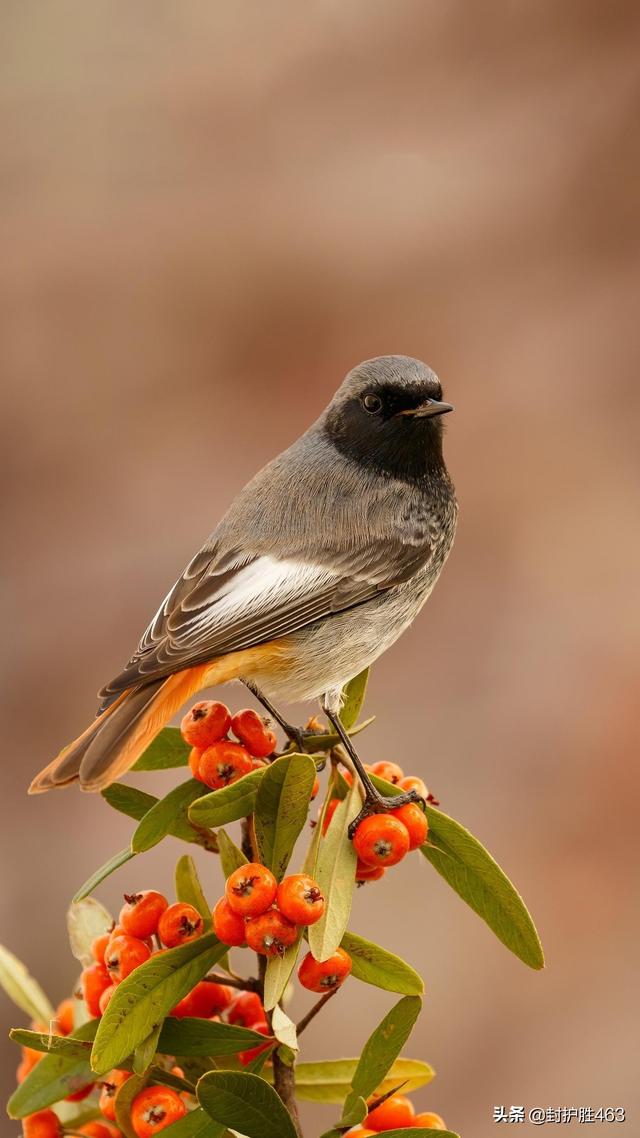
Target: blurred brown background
x=209, y=213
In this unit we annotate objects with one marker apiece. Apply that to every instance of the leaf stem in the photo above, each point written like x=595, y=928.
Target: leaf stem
x=312, y=1013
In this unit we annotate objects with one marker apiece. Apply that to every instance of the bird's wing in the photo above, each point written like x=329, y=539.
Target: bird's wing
x=224, y=602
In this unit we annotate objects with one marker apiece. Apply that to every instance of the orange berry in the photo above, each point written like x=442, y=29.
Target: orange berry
x=203, y=1001
x=360, y=1132
x=429, y=1121
x=381, y=840
x=330, y=811
x=247, y=1057
x=252, y=730
x=42, y=1124
x=326, y=975
x=251, y=889
x=316, y=788
x=154, y=1109
x=246, y=1008
x=227, y=925
x=178, y=924
x=124, y=954
x=99, y=945
x=106, y=997
x=392, y=1114
x=110, y=1087
x=270, y=933
x=195, y=754
x=414, y=819
x=30, y=1056
x=223, y=763
x=205, y=723
x=368, y=872
x=96, y=1130
x=412, y=782
x=64, y=1018
x=23, y=1069
x=93, y=981
x=390, y=772
x=141, y=912
x=299, y=899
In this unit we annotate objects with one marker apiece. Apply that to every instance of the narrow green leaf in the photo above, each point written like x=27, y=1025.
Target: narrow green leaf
x=329, y=1080
x=123, y=1101
x=375, y=965
x=168, y=749
x=278, y=974
x=189, y=889
x=147, y=995
x=145, y=1052
x=335, y=874
x=168, y=816
x=471, y=871
x=353, y=698
x=196, y=1124
x=245, y=1103
x=53, y=1078
x=383, y=1048
x=324, y=742
x=190, y=1036
x=129, y=800
x=22, y=989
x=356, y=1113
x=281, y=809
x=64, y=1045
x=101, y=874
x=86, y=920
x=229, y=803
x=231, y=857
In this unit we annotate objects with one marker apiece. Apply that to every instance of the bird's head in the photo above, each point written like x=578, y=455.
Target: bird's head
x=387, y=414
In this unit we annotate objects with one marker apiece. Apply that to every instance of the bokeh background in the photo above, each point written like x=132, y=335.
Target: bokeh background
x=210, y=212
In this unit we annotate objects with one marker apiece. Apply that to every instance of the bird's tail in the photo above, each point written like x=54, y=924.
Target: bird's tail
x=116, y=739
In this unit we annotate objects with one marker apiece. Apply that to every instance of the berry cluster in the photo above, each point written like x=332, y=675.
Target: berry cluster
x=382, y=840
x=395, y=1113
x=152, y=1110
x=257, y=912
x=215, y=759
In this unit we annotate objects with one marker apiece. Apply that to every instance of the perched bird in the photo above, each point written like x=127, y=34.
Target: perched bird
x=320, y=564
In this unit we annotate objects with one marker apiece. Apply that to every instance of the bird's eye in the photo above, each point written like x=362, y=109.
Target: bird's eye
x=372, y=403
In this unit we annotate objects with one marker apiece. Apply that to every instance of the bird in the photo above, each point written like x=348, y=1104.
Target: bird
x=321, y=562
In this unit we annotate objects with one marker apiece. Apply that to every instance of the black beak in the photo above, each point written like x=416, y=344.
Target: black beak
x=429, y=409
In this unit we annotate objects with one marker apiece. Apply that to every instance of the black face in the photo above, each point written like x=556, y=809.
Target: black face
x=387, y=415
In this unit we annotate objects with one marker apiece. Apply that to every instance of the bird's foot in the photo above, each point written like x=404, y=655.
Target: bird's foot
x=375, y=803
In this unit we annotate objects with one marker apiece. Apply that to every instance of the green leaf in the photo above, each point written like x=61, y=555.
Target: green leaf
x=189, y=889
x=168, y=749
x=382, y=1048
x=281, y=809
x=101, y=874
x=335, y=874
x=469, y=869
x=42, y=1041
x=125, y=1095
x=145, y=1052
x=168, y=816
x=278, y=974
x=53, y=1078
x=229, y=803
x=329, y=1080
x=129, y=800
x=353, y=698
x=245, y=1103
x=86, y=920
x=375, y=965
x=147, y=995
x=324, y=742
x=22, y=989
x=356, y=1113
x=231, y=857
x=284, y=1029
x=190, y=1036
x=197, y=1124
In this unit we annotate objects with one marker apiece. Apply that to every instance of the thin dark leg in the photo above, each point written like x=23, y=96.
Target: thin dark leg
x=295, y=734
x=374, y=802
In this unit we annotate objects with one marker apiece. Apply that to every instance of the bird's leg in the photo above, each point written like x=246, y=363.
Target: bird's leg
x=294, y=734
x=374, y=802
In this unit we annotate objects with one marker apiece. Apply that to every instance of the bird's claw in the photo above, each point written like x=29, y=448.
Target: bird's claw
x=383, y=804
